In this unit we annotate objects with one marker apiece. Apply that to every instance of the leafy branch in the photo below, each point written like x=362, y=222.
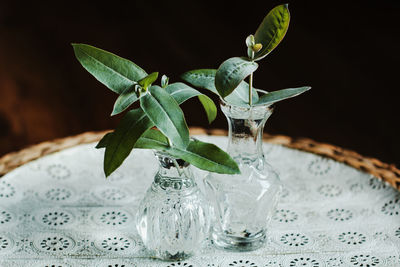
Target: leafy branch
x=229, y=78
x=159, y=107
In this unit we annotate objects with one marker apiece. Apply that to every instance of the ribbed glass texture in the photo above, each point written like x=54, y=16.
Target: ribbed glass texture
x=173, y=219
x=243, y=205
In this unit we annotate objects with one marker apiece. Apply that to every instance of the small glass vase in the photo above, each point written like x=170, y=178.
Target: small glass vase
x=173, y=219
x=243, y=205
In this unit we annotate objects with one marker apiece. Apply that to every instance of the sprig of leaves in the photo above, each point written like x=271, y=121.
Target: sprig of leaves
x=159, y=107
x=228, y=80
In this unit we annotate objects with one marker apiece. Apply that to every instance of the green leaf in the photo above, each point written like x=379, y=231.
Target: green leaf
x=276, y=96
x=153, y=139
x=182, y=92
x=164, y=81
x=148, y=80
x=125, y=99
x=113, y=71
x=272, y=30
x=231, y=73
x=209, y=107
x=103, y=142
x=124, y=138
x=201, y=78
x=207, y=157
x=165, y=113
x=204, y=79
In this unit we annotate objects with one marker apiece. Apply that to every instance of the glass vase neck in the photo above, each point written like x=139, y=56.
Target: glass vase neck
x=246, y=126
x=173, y=174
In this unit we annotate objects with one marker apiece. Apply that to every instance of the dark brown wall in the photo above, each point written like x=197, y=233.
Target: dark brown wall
x=348, y=52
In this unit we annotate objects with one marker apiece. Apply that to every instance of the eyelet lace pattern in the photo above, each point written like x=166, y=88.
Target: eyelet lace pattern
x=65, y=213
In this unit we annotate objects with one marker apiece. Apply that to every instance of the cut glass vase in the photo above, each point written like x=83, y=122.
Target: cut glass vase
x=173, y=219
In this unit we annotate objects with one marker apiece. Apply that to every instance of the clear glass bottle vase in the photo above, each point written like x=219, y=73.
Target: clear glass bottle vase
x=173, y=218
x=243, y=205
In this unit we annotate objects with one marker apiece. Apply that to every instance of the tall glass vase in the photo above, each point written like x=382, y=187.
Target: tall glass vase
x=173, y=218
x=243, y=205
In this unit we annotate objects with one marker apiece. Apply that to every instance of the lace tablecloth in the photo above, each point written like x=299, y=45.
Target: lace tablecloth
x=60, y=211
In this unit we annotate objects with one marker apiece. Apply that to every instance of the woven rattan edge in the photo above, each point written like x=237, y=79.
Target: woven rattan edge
x=13, y=160
x=387, y=172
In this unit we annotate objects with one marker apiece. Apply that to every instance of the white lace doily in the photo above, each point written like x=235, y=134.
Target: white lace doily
x=60, y=211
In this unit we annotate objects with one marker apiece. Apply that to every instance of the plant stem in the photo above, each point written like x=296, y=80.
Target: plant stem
x=174, y=160
x=251, y=83
x=251, y=89
x=180, y=172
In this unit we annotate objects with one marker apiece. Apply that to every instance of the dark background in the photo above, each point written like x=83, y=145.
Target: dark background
x=346, y=50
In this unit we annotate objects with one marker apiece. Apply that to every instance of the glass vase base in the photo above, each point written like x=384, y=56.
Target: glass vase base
x=166, y=256
x=238, y=244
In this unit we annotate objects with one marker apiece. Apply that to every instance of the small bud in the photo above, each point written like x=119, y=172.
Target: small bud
x=256, y=47
x=250, y=40
x=138, y=90
x=164, y=81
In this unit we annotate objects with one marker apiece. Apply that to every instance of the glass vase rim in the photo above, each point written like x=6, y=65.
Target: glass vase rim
x=269, y=106
x=181, y=162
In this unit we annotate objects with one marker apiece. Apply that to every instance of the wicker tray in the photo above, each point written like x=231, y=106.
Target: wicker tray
x=387, y=172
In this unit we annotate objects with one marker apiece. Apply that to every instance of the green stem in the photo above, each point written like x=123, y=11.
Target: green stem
x=251, y=83
x=251, y=89
x=174, y=160
x=180, y=172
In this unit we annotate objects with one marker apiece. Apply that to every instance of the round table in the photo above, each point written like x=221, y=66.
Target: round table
x=59, y=210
